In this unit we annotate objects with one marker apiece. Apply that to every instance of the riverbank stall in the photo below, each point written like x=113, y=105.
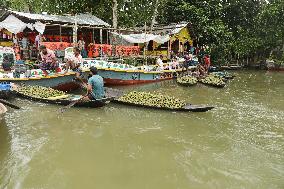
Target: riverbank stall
x=57, y=32
x=162, y=40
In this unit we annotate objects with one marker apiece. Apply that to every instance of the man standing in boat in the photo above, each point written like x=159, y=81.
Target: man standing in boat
x=95, y=86
x=49, y=60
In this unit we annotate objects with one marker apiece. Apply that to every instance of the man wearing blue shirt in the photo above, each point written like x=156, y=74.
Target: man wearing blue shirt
x=95, y=86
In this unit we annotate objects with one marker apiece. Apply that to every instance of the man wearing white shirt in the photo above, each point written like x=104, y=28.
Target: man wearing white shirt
x=160, y=62
x=74, y=62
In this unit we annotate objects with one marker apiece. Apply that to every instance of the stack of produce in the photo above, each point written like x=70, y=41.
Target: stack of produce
x=187, y=80
x=152, y=100
x=213, y=81
x=40, y=92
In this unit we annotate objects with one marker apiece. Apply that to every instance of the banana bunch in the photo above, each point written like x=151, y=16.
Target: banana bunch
x=152, y=100
x=40, y=92
x=213, y=80
x=187, y=80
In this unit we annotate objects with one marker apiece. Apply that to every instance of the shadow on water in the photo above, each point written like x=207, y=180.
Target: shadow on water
x=4, y=139
x=5, y=147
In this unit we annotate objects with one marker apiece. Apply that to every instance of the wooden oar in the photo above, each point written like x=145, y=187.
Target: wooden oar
x=9, y=104
x=63, y=109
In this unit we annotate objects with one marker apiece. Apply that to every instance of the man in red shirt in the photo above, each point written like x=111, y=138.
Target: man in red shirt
x=207, y=62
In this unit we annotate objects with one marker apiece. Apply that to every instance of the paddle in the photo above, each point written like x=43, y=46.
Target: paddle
x=83, y=85
x=9, y=104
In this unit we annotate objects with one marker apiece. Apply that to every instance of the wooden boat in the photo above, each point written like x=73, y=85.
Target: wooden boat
x=187, y=84
x=70, y=99
x=63, y=82
x=5, y=94
x=272, y=66
x=186, y=108
x=3, y=109
x=213, y=85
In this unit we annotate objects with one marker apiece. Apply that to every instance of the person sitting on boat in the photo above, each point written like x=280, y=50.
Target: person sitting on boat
x=160, y=63
x=175, y=63
x=49, y=60
x=6, y=65
x=186, y=62
x=74, y=62
x=95, y=86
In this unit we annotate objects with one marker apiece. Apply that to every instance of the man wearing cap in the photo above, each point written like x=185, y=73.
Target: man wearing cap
x=95, y=86
x=48, y=58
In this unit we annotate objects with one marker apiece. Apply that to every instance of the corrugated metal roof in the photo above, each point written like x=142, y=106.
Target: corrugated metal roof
x=82, y=19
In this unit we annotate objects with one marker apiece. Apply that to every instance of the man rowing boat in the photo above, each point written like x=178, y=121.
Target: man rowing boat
x=95, y=86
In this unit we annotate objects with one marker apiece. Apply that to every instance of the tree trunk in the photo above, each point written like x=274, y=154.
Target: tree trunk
x=155, y=13
x=114, y=14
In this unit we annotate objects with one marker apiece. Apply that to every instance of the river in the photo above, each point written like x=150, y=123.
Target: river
x=239, y=144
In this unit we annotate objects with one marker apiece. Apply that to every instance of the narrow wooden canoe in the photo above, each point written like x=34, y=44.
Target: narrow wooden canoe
x=186, y=84
x=187, y=108
x=3, y=109
x=67, y=101
x=213, y=85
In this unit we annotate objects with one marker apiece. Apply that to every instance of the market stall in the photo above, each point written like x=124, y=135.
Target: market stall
x=28, y=31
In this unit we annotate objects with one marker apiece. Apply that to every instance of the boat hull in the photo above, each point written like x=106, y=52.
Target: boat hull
x=59, y=82
x=187, y=108
x=112, y=77
x=65, y=102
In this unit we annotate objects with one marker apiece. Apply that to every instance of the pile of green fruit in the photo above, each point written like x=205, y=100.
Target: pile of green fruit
x=40, y=92
x=187, y=80
x=152, y=100
x=213, y=80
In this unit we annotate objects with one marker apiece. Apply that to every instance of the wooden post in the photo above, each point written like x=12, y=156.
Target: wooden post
x=107, y=36
x=75, y=28
x=101, y=40
x=60, y=33
x=93, y=35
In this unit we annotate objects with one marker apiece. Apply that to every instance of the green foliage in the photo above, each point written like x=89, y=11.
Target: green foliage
x=229, y=28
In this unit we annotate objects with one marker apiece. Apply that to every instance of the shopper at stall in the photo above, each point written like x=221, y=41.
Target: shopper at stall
x=25, y=42
x=81, y=46
x=74, y=62
x=48, y=59
x=38, y=40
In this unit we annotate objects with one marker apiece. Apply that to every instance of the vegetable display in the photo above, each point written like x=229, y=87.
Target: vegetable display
x=187, y=80
x=152, y=100
x=213, y=81
x=40, y=92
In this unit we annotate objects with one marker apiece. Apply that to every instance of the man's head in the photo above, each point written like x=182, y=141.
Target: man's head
x=43, y=49
x=94, y=70
x=76, y=51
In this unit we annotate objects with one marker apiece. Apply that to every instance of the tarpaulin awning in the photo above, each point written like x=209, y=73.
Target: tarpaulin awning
x=13, y=24
x=81, y=19
x=143, y=38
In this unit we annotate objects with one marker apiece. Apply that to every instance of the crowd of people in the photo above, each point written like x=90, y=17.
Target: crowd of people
x=199, y=67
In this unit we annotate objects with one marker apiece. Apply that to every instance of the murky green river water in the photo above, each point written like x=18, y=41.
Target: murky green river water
x=237, y=145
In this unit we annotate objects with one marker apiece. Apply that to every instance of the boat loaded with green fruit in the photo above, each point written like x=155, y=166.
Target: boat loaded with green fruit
x=187, y=80
x=212, y=80
x=158, y=101
x=52, y=96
